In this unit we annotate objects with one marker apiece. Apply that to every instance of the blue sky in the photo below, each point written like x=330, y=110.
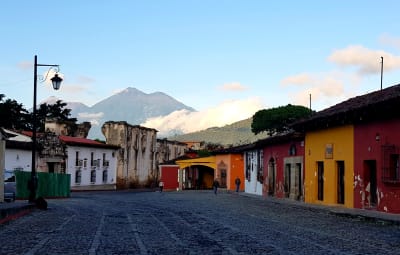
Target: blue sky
x=228, y=58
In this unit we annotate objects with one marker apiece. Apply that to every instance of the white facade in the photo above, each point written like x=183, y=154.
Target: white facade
x=253, y=165
x=18, y=153
x=18, y=159
x=92, y=168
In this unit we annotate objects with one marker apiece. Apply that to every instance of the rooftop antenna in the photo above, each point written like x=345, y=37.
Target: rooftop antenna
x=381, y=71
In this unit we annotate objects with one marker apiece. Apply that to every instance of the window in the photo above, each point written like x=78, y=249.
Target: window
x=391, y=164
x=105, y=176
x=77, y=158
x=93, y=176
x=394, y=173
x=91, y=159
x=78, y=176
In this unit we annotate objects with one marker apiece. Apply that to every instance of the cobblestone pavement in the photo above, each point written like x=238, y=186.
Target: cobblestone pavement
x=190, y=223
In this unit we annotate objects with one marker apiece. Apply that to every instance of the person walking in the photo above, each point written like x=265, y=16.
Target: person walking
x=237, y=182
x=215, y=186
x=161, y=185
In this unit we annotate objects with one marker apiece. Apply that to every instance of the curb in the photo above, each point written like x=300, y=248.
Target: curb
x=12, y=213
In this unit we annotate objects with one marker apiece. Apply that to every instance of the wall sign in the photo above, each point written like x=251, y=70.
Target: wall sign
x=329, y=150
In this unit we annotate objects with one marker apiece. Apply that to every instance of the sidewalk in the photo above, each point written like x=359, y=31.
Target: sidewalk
x=361, y=214
x=13, y=210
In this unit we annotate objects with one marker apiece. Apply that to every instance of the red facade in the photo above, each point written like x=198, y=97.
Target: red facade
x=283, y=169
x=169, y=175
x=377, y=166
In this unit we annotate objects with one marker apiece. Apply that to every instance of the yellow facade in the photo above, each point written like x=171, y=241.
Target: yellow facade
x=331, y=150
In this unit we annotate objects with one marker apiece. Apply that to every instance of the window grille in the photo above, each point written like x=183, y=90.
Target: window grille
x=93, y=176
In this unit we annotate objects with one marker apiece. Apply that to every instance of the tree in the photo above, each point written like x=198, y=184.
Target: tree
x=276, y=120
x=13, y=115
x=53, y=111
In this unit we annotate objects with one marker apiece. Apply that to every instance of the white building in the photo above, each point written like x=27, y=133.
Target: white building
x=91, y=164
x=18, y=153
x=253, y=167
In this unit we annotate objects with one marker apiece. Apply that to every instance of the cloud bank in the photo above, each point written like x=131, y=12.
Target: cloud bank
x=356, y=62
x=367, y=61
x=93, y=118
x=225, y=113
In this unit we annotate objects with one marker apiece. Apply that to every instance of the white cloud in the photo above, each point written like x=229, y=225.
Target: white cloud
x=93, y=118
x=227, y=112
x=326, y=89
x=366, y=60
x=233, y=86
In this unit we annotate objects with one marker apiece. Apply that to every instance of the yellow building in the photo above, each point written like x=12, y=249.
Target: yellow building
x=329, y=166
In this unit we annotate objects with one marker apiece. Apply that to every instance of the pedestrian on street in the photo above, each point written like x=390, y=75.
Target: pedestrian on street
x=215, y=186
x=161, y=185
x=237, y=182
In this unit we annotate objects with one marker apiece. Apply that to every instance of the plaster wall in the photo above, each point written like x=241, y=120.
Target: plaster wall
x=86, y=182
x=329, y=146
x=288, y=153
x=369, y=139
x=17, y=159
x=136, y=164
x=252, y=184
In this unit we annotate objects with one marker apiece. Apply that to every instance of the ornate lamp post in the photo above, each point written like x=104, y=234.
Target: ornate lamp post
x=56, y=81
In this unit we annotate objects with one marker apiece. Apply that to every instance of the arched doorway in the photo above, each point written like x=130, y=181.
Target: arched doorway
x=197, y=173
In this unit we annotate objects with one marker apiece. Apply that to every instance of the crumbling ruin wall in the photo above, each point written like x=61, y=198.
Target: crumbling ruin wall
x=136, y=165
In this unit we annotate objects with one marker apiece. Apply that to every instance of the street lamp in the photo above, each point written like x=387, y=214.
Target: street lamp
x=56, y=81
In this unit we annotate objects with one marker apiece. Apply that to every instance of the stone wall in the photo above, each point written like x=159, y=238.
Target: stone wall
x=136, y=166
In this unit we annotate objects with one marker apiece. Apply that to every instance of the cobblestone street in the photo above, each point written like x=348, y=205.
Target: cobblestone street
x=190, y=222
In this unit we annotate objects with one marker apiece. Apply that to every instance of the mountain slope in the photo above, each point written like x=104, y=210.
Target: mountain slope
x=233, y=134
x=130, y=105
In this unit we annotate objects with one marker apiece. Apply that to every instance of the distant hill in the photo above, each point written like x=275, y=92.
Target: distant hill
x=234, y=134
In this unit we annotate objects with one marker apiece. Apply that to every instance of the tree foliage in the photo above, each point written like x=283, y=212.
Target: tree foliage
x=15, y=117
x=276, y=120
x=53, y=111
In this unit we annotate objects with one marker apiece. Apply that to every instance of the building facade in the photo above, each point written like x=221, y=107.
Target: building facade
x=376, y=166
x=283, y=165
x=136, y=158
x=91, y=164
x=329, y=165
x=229, y=167
x=254, y=170
x=352, y=152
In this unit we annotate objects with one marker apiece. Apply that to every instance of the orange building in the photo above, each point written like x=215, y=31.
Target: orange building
x=230, y=165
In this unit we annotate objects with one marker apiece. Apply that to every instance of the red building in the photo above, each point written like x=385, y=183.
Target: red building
x=283, y=165
x=376, y=166
x=169, y=176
